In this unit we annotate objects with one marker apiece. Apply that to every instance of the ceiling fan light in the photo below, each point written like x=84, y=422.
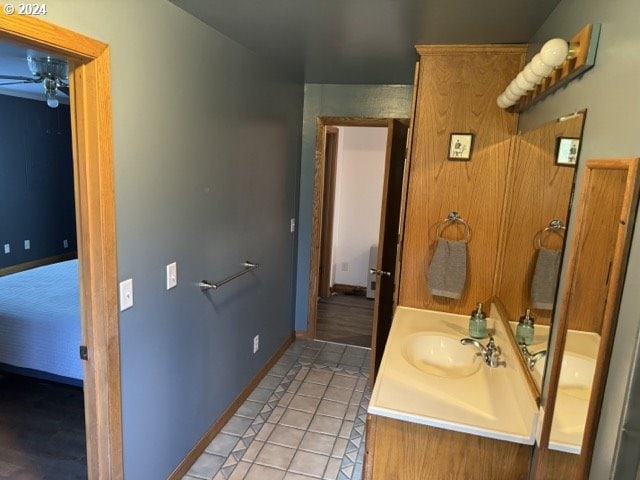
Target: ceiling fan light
x=52, y=100
x=48, y=67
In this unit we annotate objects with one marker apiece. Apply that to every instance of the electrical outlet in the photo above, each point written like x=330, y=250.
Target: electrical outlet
x=292, y=225
x=345, y=266
x=126, y=294
x=172, y=275
x=7, y=248
x=256, y=343
x=27, y=244
x=65, y=243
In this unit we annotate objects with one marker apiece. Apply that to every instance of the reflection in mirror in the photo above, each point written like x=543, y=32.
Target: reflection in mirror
x=587, y=317
x=536, y=208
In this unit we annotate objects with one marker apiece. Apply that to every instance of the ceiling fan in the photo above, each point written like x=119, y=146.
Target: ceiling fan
x=53, y=73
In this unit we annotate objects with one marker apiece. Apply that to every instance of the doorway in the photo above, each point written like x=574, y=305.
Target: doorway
x=89, y=78
x=354, y=175
x=41, y=396
x=383, y=270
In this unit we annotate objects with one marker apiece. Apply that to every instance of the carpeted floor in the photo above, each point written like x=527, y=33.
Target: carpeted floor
x=42, y=432
x=345, y=319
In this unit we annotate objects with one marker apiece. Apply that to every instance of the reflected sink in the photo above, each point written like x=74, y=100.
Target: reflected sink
x=441, y=355
x=576, y=375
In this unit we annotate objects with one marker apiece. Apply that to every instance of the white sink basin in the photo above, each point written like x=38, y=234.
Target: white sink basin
x=441, y=355
x=576, y=375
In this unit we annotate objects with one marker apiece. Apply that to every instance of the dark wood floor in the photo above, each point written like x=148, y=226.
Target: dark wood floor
x=41, y=430
x=345, y=319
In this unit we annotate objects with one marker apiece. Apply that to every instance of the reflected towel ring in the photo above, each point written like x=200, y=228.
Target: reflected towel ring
x=452, y=218
x=555, y=226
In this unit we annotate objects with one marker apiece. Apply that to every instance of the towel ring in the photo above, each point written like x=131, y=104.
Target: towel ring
x=452, y=218
x=555, y=226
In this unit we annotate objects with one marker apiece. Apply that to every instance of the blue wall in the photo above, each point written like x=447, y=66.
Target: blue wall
x=206, y=148
x=376, y=101
x=36, y=181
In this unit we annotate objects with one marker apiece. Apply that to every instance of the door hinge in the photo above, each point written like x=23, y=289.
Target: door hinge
x=84, y=352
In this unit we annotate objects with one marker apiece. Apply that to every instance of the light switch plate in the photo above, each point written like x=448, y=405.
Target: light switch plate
x=172, y=275
x=126, y=294
x=7, y=248
x=292, y=225
x=27, y=244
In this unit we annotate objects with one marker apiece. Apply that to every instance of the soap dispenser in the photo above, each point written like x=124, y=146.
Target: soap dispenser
x=524, y=330
x=478, y=323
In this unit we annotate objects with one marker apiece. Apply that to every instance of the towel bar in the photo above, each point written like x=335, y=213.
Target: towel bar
x=248, y=266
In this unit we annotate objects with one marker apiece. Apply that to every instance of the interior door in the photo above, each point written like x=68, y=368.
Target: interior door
x=388, y=241
x=328, y=201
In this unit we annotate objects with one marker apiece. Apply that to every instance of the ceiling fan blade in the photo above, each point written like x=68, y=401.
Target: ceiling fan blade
x=22, y=79
x=22, y=82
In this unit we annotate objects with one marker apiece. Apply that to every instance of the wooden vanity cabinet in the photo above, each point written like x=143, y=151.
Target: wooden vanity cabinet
x=398, y=450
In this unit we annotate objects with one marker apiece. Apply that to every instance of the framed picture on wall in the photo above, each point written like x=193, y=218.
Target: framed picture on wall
x=567, y=150
x=460, y=146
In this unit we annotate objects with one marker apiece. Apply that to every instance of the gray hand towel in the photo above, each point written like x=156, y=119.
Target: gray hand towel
x=545, y=279
x=448, y=269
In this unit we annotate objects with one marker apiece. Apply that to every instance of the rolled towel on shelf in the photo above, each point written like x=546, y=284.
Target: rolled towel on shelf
x=545, y=279
x=447, y=272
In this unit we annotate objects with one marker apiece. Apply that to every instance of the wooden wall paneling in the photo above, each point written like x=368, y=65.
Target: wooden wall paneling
x=561, y=465
x=538, y=192
x=590, y=286
x=456, y=93
x=398, y=450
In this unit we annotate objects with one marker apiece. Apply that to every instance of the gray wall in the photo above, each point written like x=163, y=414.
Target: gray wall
x=610, y=93
x=378, y=101
x=207, y=140
x=36, y=181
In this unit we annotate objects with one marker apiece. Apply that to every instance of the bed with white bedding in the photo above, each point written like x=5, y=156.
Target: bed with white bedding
x=40, y=321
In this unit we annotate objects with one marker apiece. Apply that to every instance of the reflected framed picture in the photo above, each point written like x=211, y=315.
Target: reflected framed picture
x=567, y=150
x=460, y=146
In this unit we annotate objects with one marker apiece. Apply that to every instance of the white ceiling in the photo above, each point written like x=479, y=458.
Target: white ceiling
x=364, y=41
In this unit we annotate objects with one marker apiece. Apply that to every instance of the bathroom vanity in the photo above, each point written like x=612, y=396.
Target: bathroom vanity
x=439, y=411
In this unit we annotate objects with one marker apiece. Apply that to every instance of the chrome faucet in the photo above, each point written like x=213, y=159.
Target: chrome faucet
x=490, y=354
x=531, y=358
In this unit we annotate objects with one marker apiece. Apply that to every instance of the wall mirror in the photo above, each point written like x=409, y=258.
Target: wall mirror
x=535, y=214
x=586, y=317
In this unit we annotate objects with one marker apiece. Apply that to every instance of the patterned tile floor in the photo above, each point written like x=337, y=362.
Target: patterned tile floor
x=305, y=420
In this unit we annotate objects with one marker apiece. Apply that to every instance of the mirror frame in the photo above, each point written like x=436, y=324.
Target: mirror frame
x=609, y=321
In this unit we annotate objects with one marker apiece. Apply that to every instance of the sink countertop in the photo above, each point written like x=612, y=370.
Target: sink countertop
x=493, y=402
x=570, y=415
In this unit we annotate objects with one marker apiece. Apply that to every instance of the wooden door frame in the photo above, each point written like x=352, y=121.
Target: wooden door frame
x=90, y=91
x=322, y=123
x=328, y=204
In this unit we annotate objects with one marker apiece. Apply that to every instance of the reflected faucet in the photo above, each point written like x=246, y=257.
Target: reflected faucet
x=531, y=358
x=490, y=354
